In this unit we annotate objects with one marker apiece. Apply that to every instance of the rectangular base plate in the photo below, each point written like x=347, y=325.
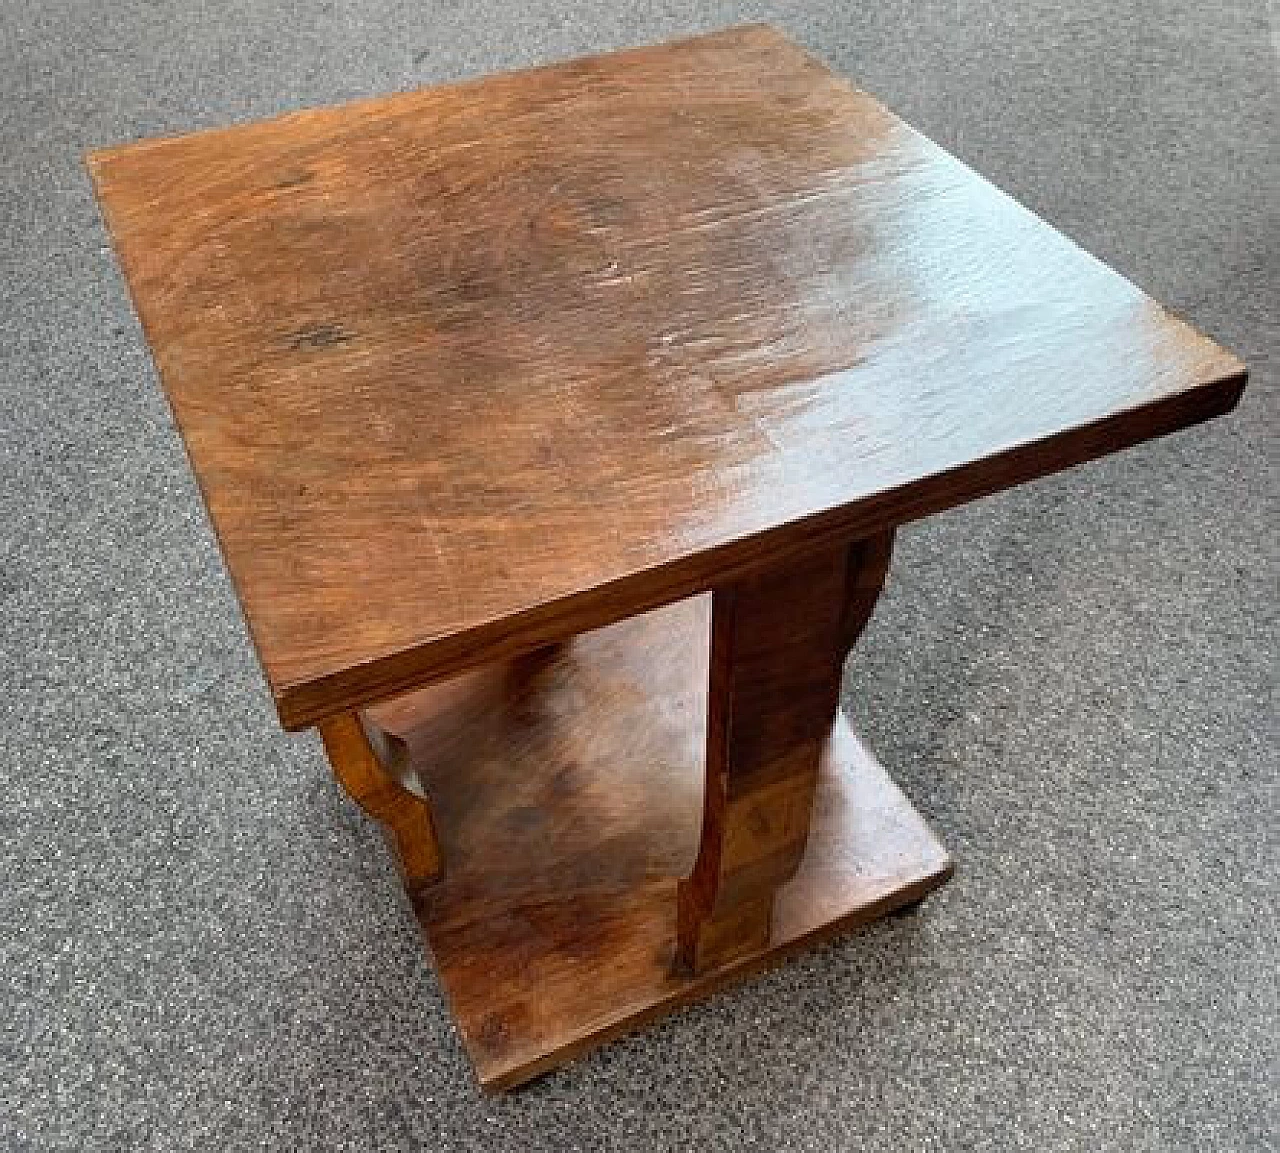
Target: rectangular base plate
x=567, y=788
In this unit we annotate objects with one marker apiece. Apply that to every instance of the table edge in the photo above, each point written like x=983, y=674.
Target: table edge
x=301, y=704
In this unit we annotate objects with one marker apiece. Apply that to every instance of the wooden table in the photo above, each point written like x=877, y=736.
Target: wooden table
x=555, y=428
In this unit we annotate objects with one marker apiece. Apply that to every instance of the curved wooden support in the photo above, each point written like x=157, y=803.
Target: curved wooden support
x=865, y=571
x=778, y=643
x=364, y=759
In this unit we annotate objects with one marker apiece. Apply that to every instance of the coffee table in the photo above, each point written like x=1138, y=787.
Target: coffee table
x=555, y=428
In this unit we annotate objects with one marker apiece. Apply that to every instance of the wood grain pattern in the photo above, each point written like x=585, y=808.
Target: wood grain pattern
x=468, y=370
x=368, y=763
x=567, y=789
x=778, y=644
x=774, y=686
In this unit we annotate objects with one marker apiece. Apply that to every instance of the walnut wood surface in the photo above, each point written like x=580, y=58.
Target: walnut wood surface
x=778, y=644
x=774, y=687
x=467, y=370
x=567, y=788
x=368, y=763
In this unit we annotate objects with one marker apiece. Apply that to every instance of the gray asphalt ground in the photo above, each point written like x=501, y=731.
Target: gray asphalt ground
x=203, y=946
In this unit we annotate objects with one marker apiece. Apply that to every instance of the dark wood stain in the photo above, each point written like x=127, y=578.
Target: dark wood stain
x=556, y=931
x=319, y=336
x=778, y=643
x=629, y=329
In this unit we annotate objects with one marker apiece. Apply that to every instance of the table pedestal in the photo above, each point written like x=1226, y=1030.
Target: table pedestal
x=604, y=862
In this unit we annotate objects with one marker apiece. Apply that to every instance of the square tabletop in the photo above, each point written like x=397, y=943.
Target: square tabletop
x=472, y=368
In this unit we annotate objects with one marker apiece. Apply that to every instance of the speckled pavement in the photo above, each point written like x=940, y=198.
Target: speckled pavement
x=202, y=946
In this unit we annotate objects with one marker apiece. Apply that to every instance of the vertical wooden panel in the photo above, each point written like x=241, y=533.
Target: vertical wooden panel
x=776, y=649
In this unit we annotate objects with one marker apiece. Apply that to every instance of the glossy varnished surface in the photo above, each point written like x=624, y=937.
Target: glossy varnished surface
x=469, y=369
x=567, y=788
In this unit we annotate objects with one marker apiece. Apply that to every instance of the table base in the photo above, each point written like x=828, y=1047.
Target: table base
x=567, y=789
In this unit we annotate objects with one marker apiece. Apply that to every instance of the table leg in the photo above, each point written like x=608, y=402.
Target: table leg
x=778, y=643
x=365, y=760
